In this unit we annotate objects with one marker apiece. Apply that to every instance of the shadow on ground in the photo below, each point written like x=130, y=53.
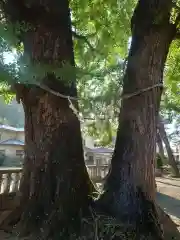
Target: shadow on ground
x=166, y=183
x=171, y=178
x=169, y=204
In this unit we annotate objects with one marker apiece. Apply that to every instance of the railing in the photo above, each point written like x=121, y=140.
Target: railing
x=10, y=177
x=97, y=173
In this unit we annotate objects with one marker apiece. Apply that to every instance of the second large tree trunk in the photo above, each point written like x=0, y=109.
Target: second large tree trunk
x=130, y=188
x=171, y=158
x=160, y=146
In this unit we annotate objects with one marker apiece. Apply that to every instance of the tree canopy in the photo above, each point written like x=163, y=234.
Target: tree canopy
x=101, y=32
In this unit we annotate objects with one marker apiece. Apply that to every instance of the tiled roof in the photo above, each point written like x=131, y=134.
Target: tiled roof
x=12, y=142
x=99, y=150
x=6, y=127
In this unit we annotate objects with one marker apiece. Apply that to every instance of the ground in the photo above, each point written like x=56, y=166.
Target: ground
x=168, y=197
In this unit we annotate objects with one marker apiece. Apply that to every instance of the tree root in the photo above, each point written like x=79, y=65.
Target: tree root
x=93, y=227
x=170, y=228
x=10, y=206
x=11, y=220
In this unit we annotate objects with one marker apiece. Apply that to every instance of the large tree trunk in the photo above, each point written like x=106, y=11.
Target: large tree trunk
x=171, y=158
x=55, y=176
x=129, y=193
x=55, y=186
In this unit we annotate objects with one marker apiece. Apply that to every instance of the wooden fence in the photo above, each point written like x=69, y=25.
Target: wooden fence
x=10, y=177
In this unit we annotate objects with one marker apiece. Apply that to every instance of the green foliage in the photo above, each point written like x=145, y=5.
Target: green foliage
x=102, y=130
x=170, y=105
x=101, y=34
x=105, y=22
x=98, y=46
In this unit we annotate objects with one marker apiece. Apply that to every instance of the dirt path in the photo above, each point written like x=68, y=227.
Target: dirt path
x=168, y=197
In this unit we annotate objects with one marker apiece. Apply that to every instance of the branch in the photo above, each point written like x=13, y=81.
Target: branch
x=47, y=89
x=83, y=38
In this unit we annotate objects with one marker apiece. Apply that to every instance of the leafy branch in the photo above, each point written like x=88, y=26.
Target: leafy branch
x=83, y=38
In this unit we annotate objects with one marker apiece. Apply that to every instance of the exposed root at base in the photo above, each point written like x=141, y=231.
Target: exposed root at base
x=89, y=228
x=100, y=227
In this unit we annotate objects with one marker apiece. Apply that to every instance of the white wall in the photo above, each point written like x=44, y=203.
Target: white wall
x=89, y=142
x=10, y=150
x=20, y=136
x=11, y=159
x=5, y=135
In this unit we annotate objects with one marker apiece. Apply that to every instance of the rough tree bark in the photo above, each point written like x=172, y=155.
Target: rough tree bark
x=55, y=185
x=129, y=193
x=55, y=177
x=171, y=158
